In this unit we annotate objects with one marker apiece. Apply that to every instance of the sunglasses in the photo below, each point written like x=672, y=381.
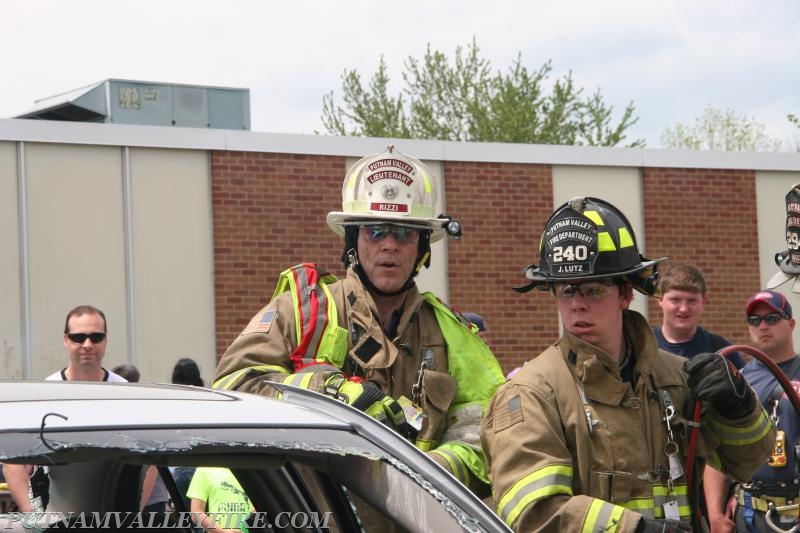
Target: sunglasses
x=80, y=338
x=771, y=319
x=590, y=290
x=402, y=234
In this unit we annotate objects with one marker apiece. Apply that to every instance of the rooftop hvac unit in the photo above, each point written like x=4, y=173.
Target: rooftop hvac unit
x=156, y=104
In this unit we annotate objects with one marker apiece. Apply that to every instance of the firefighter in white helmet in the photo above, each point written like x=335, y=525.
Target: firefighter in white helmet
x=592, y=434
x=372, y=339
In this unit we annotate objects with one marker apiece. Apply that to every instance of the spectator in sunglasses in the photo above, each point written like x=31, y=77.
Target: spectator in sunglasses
x=770, y=323
x=85, y=338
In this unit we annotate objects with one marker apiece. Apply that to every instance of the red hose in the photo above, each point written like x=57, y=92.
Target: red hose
x=786, y=385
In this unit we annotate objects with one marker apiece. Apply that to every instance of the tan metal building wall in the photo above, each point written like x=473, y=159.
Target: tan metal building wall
x=122, y=217
x=123, y=228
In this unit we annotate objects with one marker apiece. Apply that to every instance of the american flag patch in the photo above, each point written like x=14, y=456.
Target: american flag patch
x=260, y=323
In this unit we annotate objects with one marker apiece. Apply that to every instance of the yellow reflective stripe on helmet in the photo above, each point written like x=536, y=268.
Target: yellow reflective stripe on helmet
x=601, y=516
x=625, y=238
x=427, y=182
x=454, y=462
x=740, y=436
x=605, y=243
x=594, y=216
x=299, y=380
x=228, y=382
x=351, y=183
x=546, y=482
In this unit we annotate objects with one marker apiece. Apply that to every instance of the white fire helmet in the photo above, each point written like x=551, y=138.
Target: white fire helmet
x=392, y=187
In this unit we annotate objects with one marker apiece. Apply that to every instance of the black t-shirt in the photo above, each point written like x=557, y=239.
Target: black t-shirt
x=702, y=342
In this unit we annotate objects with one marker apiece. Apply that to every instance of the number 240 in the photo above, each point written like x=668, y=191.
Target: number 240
x=570, y=253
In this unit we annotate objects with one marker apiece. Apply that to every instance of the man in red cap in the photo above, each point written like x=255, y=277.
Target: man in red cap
x=776, y=484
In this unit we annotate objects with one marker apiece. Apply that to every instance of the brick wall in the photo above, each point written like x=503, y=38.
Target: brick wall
x=503, y=208
x=707, y=218
x=269, y=214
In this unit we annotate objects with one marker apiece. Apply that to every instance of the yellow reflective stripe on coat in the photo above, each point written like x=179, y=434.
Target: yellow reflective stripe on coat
x=299, y=380
x=228, y=382
x=425, y=445
x=601, y=516
x=741, y=436
x=643, y=506
x=454, y=462
x=470, y=460
x=662, y=495
x=549, y=481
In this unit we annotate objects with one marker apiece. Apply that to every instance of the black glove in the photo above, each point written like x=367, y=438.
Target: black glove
x=714, y=379
x=647, y=525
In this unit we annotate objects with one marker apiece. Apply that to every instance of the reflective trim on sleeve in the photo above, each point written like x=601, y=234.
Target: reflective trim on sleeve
x=231, y=380
x=741, y=436
x=299, y=380
x=602, y=516
x=546, y=482
x=425, y=445
x=454, y=462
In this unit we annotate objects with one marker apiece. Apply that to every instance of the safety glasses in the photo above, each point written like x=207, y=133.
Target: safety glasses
x=589, y=290
x=771, y=319
x=80, y=338
x=402, y=234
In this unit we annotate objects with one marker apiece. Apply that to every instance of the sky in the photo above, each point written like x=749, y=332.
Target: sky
x=671, y=59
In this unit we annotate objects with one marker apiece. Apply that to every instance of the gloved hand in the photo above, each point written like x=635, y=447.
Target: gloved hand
x=649, y=525
x=366, y=396
x=714, y=379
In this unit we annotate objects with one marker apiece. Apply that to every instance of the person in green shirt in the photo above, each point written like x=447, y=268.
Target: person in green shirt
x=218, y=501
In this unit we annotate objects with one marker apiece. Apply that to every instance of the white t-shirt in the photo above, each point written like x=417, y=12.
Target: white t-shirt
x=107, y=376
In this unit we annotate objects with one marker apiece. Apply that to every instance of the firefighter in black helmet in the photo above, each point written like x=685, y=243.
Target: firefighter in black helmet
x=592, y=436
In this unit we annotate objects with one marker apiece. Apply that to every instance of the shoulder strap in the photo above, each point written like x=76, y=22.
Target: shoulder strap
x=319, y=339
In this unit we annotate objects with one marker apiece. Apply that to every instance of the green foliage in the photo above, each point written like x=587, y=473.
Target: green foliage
x=721, y=130
x=465, y=101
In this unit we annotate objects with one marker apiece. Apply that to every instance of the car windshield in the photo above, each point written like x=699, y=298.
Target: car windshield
x=321, y=473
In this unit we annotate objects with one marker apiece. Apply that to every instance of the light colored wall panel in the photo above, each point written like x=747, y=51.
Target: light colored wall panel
x=173, y=261
x=11, y=362
x=434, y=278
x=75, y=220
x=620, y=186
x=771, y=189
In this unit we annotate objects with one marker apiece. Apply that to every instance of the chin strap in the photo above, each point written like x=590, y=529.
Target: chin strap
x=373, y=289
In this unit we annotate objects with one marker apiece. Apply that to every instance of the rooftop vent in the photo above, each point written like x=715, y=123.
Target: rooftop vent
x=155, y=104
